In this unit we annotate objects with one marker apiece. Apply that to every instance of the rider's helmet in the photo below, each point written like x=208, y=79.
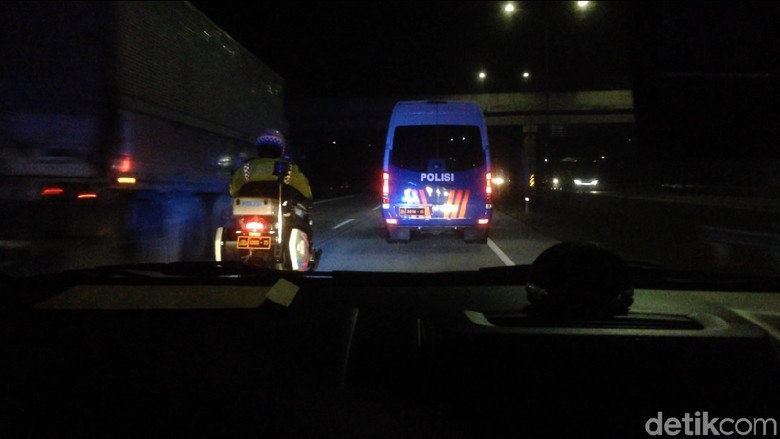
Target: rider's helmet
x=270, y=144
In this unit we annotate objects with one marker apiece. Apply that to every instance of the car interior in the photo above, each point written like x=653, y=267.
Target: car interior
x=566, y=345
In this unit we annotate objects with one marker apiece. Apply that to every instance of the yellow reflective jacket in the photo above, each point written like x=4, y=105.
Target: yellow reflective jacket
x=262, y=169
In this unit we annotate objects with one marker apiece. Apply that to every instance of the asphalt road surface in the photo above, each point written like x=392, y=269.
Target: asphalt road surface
x=348, y=230
x=669, y=231
x=350, y=233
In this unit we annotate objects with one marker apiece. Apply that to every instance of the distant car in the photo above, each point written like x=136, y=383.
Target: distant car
x=576, y=174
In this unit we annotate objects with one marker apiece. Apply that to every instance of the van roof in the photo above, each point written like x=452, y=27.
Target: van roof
x=437, y=113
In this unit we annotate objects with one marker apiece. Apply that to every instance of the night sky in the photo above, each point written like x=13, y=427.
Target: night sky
x=704, y=74
x=381, y=48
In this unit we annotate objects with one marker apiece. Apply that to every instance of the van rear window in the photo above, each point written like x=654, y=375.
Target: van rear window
x=459, y=147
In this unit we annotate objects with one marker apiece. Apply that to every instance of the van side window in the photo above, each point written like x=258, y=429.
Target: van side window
x=459, y=147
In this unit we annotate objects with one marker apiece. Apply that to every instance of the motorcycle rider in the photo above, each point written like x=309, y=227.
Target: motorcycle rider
x=271, y=148
x=256, y=178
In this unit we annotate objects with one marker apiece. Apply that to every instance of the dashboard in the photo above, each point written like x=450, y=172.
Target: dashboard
x=362, y=355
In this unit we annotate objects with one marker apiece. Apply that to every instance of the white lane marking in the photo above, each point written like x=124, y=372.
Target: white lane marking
x=501, y=255
x=342, y=223
x=377, y=207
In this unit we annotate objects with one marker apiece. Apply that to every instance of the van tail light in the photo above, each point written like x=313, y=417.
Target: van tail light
x=488, y=189
x=385, y=190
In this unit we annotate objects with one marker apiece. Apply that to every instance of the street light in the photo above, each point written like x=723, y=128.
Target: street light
x=481, y=78
x=509, y=9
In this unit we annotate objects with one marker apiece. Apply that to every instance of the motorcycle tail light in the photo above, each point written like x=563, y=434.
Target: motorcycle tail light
x=253, y=224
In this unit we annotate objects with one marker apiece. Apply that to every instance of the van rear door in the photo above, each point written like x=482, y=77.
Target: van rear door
x=438, y=173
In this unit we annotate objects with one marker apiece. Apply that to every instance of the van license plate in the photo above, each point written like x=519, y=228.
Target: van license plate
x=411, y=211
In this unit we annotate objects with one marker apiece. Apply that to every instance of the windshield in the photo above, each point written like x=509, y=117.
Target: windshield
x=489, y=219
x=458, y=147
x=127, y=130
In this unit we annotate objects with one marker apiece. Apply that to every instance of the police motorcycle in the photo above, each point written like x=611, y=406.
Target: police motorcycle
x=270, y=228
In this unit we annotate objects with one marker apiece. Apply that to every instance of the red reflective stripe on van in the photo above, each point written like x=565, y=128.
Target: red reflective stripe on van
x=453, y=213
x=463, y=204
x=449, y=202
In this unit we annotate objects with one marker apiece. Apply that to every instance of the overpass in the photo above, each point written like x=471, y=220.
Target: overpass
x=501, y=109
x=520, y=124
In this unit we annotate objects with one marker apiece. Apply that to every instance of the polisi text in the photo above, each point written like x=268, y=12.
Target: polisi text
x=430, y=176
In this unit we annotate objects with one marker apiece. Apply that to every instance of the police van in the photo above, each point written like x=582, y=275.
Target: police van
x=436, y=172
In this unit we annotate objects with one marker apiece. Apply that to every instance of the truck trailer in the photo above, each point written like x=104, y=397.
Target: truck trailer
x=121, y=122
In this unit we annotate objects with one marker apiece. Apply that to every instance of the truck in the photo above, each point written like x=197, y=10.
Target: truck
x=121, y=122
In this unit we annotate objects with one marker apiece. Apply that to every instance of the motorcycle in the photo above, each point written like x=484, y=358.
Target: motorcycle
x=270, y=228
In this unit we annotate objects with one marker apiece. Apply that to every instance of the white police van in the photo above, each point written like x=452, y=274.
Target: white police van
x=436, y=173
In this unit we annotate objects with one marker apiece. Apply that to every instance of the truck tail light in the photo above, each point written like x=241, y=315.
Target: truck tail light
x=52, y=190
x=122, y=164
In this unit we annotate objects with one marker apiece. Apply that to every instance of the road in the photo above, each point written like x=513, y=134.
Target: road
x=666, y=231
x=700, y=232
x=753, y=204
x=350, y=233
x=348, y=230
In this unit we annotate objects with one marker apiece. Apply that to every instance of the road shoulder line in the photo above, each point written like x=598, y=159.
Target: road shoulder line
x=500, y=253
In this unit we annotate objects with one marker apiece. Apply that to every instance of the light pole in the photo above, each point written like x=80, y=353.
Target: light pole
x=509, y=10
x=546, y=15
x=546, y=87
